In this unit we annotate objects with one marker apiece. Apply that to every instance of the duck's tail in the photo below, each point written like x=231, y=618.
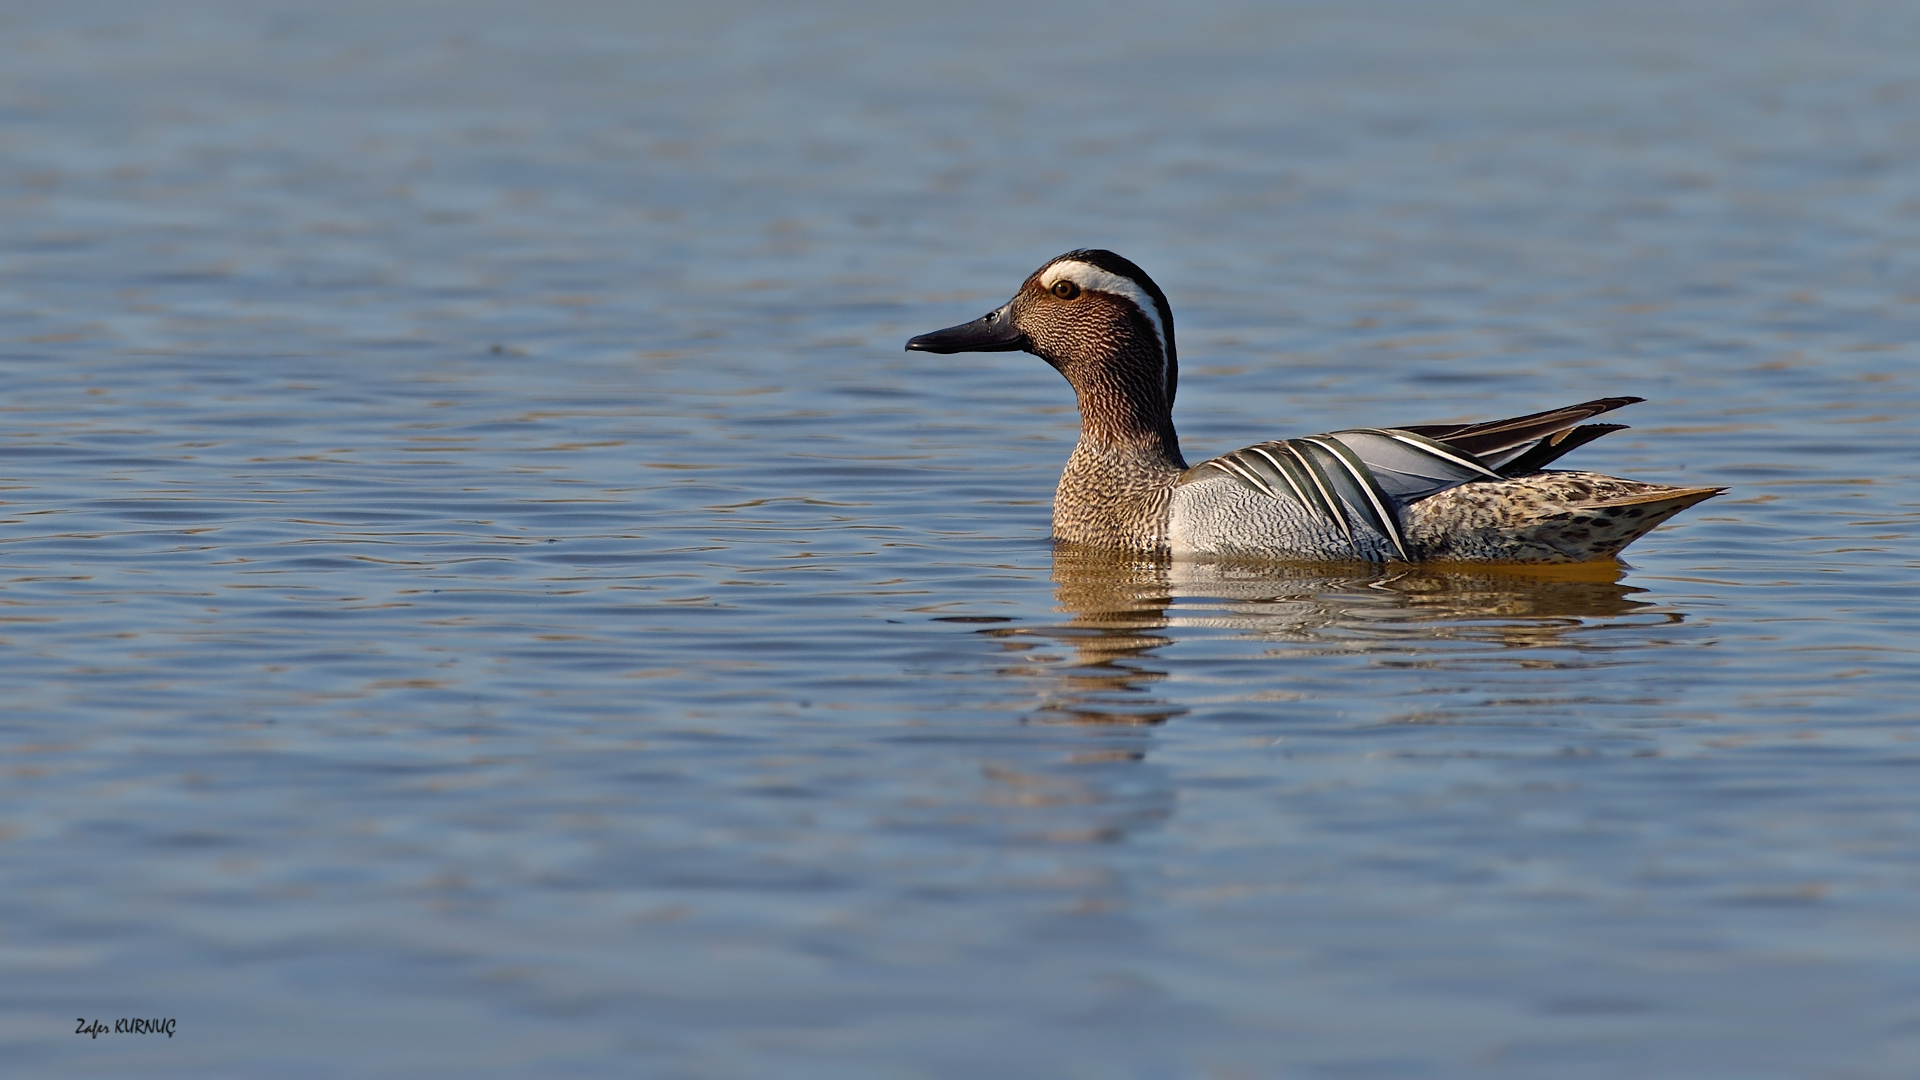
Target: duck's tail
x=1553, y=517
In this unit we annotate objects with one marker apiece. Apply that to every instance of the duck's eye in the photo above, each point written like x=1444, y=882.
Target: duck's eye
x=1065, y=290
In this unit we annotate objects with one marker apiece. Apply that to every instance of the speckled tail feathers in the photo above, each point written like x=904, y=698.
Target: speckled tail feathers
x=1552, y=517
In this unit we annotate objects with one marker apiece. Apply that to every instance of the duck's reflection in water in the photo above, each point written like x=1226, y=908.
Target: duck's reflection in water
x=1125, y=607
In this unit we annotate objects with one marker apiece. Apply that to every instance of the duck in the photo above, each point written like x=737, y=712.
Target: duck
x=1413, y=493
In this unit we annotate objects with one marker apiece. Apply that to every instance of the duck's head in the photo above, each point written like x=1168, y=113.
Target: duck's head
x=1096, y=317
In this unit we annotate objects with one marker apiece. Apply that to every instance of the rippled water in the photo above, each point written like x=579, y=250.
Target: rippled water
x=483, y=593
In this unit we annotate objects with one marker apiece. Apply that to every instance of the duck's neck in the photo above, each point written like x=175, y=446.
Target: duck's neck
x=1115, y=489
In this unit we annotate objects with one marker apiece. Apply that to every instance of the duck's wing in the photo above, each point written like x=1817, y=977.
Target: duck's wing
x=1350, y=478
x=1528, y=443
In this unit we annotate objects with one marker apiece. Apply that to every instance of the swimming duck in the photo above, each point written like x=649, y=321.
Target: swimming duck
x=1471, y=492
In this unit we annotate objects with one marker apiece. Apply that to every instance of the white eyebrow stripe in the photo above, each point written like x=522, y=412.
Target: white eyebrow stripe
x=1089, y=276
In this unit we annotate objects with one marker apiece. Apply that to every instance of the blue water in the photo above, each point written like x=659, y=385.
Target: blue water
x=484, y=593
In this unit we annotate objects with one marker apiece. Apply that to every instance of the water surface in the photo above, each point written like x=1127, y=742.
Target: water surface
x=484, y=593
